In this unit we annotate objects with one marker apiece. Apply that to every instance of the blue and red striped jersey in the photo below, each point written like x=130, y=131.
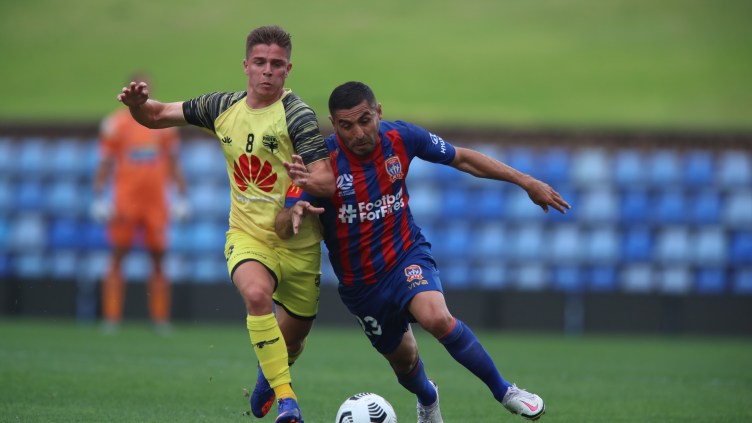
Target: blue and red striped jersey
x=367, y=223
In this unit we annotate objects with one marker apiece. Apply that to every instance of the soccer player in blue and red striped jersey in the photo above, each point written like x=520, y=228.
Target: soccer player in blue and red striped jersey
x=387, y=275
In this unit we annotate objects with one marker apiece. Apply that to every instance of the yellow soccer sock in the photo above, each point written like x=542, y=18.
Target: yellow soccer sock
x=271, y=351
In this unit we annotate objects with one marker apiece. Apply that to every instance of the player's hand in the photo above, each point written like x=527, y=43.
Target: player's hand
x=544, y=196
x=297, y=171
x=100, y=210
x=181, y=210
x=298, y=212
x=134, y=95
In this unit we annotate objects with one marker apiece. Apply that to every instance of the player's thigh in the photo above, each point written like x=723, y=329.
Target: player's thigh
x=155, y=229
x=121, y=231
x=253, y=266
x=405, y=355
x=378, y=312
x=299, y=286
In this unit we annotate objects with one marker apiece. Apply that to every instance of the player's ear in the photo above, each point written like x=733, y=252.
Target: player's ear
x=378, y=110
x=245, y=67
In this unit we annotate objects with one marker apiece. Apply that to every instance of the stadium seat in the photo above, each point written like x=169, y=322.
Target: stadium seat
x=554, y=167
x=96, y=236
x=177, y=267
x=488, y=203
x=519, y=207
x=567, y=279
x=591, y=166
x=207, y=237
x=672, y=245
x=675, y=280
x=202, y=160
x=709, y=246
x=179, y=237
x=531, y=277
x=137, y=267
x=637, y=278
x=522, y=159
x=453, y=241
x=670, y=207
x=32, y=161
x=741, y=248
x=489, y=241
x=484, y=275
x=421, y=172
x=598, y=204
x=65, y=233
x=457, y=273
x=64, y=198
x=210, y=269
x=28, y=232
x=705, y=207
x=29, y=196
x=94, y=264
x=602, y=278
x=635, y=206
x=7, y=203
x=63, y=264
x=735, y=169
x=699, y=169
x=456, y=201
x=737, y=213
x=742, y=282
x=602, y=245
x=4, y=235
x=637, y=244
x=209, y=199
x=664, y=169
x=564, y=244
x=31, y=264
x=425, y=202
x=710, y=280
x=67, y=153
x=629, y=169
x=525, y=243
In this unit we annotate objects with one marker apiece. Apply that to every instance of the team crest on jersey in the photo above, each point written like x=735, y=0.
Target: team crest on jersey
x=270, y=142
x=413, y=272
x=345, y=184
x=394, y=168
x=249, y=169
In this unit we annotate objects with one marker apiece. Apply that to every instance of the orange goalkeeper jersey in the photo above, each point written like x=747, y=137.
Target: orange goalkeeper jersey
x=141, y=157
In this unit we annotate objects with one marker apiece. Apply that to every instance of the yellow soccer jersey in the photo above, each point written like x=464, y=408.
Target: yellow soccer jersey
x=255, y=143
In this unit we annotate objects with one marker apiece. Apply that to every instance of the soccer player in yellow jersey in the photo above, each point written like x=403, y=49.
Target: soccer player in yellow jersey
x=263, y=131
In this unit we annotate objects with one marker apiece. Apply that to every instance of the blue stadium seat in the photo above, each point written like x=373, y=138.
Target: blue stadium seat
x=602, y=278
x=490, y=275
x=664, y=168
x=94, y=264
x=179, y=237
x=30, y=265
x=598, y=204
x=177, y=267
x=742, y=281
x=554, y=166
x=453, y=240
x=637, y=278
x=67, y=153
x=629, y=169
x=96, y=236
x=741, y=248
x=32, y=162
x=525, y=243
x=64, y=198
x=65, y=233
x=699, y=169
x=207, y=237
x=591, y=166
x=710, y=280
x=675, y=280
x=4, y=234
x=567, y=279
x=63, y=264
x=137, y=266
x=705, y=207
x=425, y=202
x=422, y=172
x=209, y=199
x=489, y=241
x=210, y=269
x=489, y=203
x=7, y=203
x=672, y=245
x=202, y=160
x=456, y=202
x=522, y=159
x=28, y=232
x=670, y=207
x=519, y=207
x=29, y=196
x=637, y=244
x=710, y=246
x=602, y=245
x=564, y=244
x=635, y=206
x=735, y=169
x=737, y=212
x=531, y=277
x=456, y=274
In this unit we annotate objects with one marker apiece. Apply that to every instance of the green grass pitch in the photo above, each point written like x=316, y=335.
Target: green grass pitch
x=62, y=372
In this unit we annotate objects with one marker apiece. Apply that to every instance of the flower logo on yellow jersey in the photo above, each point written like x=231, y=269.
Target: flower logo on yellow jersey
x=260, y=174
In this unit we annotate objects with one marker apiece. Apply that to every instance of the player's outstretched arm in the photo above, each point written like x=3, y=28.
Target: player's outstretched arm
x=482, y=166
x=316, y=179
x=150, y=113
x=288, y=220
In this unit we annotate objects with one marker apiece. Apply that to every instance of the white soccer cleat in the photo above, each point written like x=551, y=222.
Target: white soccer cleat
x=430, y=413
x=524, y=403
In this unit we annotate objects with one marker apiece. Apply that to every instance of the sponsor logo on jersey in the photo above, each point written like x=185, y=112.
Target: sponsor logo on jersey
x=370, y=211
x=227, y=140
x=249, y=170
x=270, y=142
x=345, y=184
x=414, y=275
x=394, y=168
x=438, y=141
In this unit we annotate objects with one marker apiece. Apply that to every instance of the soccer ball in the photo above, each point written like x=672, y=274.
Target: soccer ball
x=366, y=407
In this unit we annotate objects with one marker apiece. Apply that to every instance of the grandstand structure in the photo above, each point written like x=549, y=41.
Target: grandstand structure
x=653, y=216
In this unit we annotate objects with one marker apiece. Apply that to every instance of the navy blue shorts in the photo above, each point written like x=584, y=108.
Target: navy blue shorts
x=381, y=308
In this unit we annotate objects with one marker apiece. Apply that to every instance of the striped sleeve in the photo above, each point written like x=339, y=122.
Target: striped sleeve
x=303, y=128
x=203, y=111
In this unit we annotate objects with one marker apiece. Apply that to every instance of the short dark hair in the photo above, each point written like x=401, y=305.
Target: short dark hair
x=268, y=35
x=349, y=95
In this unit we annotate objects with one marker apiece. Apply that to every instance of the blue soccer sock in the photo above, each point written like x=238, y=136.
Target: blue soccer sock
x=465, y=348
x=417, y=382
